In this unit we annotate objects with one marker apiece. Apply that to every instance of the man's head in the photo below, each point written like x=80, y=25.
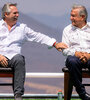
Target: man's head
x=10, y=13
x=78, y=16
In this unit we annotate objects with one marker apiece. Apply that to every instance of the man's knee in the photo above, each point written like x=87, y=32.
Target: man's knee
x=19, y=58
x=73, y=63
x=71, y=59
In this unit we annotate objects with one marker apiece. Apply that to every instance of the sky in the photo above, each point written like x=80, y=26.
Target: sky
x=49, y=7
x=46, y=11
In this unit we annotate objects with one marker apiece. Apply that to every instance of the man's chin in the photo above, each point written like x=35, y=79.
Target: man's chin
x=73, y=24
x=15, y=20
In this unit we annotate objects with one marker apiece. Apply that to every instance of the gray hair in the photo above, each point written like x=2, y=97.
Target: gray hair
x=83, y=10
x=6, y=9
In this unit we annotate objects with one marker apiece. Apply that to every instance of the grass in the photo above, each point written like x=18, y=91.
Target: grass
x=38, y=99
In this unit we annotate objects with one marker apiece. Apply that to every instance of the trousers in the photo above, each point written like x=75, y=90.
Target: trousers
x=75, y=66
x=18, y=65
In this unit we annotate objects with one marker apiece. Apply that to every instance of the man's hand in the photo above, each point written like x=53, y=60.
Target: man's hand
x=83, y=56
x=60, y=46
x=78, y=54
x=3, y=61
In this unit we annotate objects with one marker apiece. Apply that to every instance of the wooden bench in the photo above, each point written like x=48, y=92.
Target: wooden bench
x=68, y=85
x=6, y=73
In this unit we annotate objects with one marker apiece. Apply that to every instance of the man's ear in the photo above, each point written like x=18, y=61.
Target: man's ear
x=83, y=16
x=6, y=14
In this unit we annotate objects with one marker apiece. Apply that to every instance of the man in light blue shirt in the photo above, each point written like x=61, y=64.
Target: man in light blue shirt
x=12, y=36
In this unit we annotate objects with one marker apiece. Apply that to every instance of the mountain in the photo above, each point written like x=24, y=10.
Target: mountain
x=38, y=57
x=56, y=22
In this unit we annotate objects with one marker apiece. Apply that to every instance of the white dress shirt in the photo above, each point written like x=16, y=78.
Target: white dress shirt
x=77, y=39
x=12, y=41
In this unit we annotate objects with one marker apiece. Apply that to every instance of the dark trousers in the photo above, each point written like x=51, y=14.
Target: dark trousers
x=75, y=68
x=18, y=65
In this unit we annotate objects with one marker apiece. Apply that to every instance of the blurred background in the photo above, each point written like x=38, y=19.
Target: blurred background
x=48, y=17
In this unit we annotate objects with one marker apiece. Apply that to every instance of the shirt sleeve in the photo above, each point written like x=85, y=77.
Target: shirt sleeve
x=31, y=35
x=65, y=39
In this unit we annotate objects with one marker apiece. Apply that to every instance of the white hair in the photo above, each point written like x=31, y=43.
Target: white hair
x=83, y=10
x=6, y=9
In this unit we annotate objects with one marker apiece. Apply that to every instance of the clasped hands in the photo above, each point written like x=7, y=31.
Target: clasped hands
x=3, y=61
x=83, y=56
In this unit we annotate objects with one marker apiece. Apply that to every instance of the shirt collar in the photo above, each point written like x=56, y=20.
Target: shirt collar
x=4, y=23
x=84, y=27
x=88, y=24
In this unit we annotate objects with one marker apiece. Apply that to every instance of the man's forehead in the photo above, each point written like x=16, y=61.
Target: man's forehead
x=75, y=11
x=13, y=8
